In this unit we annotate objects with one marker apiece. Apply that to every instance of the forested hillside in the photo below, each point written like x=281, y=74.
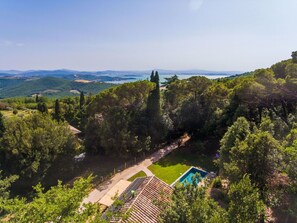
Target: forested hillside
x=47, y=86
x=253, y=119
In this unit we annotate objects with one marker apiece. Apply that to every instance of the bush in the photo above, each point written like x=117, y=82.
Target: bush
x=217, y=182
x=15, y=111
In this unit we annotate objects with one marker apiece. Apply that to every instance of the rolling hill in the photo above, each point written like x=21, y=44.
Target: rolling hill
x=47, y=86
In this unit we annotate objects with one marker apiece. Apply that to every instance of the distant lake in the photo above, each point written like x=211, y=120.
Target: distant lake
x=137, y=77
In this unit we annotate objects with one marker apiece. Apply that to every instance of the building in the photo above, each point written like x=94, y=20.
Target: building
x=142, y=200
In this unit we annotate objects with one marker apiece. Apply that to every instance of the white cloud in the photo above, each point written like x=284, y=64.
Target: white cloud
x=195, y=5
x=9, y=43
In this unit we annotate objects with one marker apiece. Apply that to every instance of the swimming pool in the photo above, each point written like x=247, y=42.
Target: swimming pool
x=187, y=177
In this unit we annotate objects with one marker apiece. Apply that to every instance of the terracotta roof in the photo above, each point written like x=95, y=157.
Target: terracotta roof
x=143, y=207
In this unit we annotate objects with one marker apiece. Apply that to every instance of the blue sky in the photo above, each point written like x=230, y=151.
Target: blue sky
x=146, y=34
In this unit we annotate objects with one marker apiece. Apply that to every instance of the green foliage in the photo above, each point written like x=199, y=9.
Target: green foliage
x=59, y=204
x=117, y=116
x=155, y=123
x=290, y=157
x=260, y=108
x=153, y=103
x=245, y=204
x=57, y=111
x=194, y=104
x=291, y=71
x=190, y=204
x=290, y=160
x=2, y=127
x=32, y=143
x=257, y=154
x=279, y=69
x=5, y=184
x=234, y=135
x=294, y=57
x=217, y=182
x=42, y=107
x=169, y=80
x=81, y=100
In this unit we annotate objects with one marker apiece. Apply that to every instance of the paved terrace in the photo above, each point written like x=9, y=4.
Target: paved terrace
x=103, y=188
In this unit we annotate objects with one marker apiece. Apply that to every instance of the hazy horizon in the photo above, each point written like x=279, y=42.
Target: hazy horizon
x=106, y=70
x=131, y=35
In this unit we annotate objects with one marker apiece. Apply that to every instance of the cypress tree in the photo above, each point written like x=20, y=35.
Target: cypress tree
x=81, y=100
x=57, y=114
x=294, y=57
x=152, y=77
x=154, y=110
x=157, y=78
x=2, y=127
x=36, y=98
x=156, y=93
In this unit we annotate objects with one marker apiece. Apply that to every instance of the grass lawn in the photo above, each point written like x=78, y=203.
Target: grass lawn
x=139, y=174
x=176, y=163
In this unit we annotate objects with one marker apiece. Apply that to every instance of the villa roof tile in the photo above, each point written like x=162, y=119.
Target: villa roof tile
x=143, y=205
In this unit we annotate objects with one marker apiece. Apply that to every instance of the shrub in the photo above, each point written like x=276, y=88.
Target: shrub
x=217, y=182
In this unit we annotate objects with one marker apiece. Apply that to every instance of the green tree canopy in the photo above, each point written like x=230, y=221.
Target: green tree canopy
x=294, y=57
x=234, y=135
x=169, y=80
x=5, y=184
x=60, y=203
x=118, y=115
x=245, y=205
x=32, y=143
x=2, y=127
x=190, y=204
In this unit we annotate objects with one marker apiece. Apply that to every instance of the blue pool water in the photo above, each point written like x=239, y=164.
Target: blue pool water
x=188, y=176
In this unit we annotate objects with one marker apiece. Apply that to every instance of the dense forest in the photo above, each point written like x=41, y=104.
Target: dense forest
x=252, y=117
